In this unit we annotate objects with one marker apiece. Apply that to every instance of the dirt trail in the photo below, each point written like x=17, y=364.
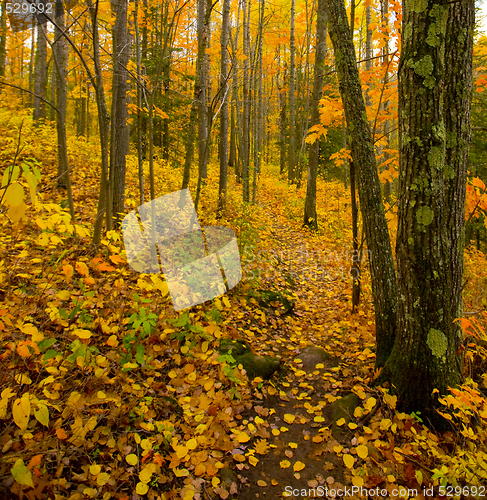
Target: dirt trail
x=293, y=417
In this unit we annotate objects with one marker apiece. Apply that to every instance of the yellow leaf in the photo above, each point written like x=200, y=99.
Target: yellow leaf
x=95, y=469
x=370, y=403
x=63, y=295
x=390, y=400
x=385, y=424
x=192, y=444
x=362, y=451
x=61, y=434
x=82, y=334
x=17, y=212
x=284, y=464
x=82, y=268
x=348, y=460
x=68, y=272
x=261, y=483
x=419, y=476
x=21, y=474
x=132, y=459
x=253, y=460
x=243, y=437
x=181, y=451
x=292, y=445
x=146, y=473
x=181, y=472
x=22, y=378
x=298, y=466
x=338, y=448
x=112, y=341
x=357, y=481
x=141, y=488
x=21, y=411
x=261, y=446
x=23, y=351
x=289, y=418
x=14, y=195
x=102, y=479
x=340, y=422
x=42, y=414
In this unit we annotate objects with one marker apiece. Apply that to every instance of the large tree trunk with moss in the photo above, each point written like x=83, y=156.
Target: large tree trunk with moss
x=435, y=81
x=369, y=188
x=310, y=216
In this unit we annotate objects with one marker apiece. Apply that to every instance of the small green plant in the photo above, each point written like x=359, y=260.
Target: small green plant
x=416, y=417
x=188, y=333
x=142, y=324
x=229, y=365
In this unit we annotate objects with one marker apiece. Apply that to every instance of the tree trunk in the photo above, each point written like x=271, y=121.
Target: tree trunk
x=202, y=106
x=119, y=130
x=375, y=224
x=60, y=52
x=104, y=207
x=282, y=113
x=310, y=215
x=385, y=106
x=40, y=78
x=292, y=101
x=259, y=112
x=140, y=90
x=435, y=83
x=225, y=34
x=246, y=102
x=3, y=37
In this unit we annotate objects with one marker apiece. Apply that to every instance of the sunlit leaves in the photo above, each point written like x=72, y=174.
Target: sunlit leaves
x=348, y=460
x=21, y=411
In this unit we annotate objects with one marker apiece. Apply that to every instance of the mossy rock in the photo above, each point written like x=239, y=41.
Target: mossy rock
x=268, y=297
x=229, y=481
x=312, y=355
x=258, y=366
x=255, y=366
x=236, y=346
x=343, y=408
x=228, y=477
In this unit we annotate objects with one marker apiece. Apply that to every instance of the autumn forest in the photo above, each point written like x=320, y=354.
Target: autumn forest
x=243, y=249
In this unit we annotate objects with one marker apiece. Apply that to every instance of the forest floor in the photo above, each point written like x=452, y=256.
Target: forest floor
x=107, y=392
x=296, y=448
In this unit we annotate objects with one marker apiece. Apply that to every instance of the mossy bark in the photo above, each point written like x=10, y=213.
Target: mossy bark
x=435, y=81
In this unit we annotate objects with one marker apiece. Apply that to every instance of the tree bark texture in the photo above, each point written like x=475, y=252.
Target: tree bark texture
x=119, y=130
x=310, y=215
x=369, y=188
x=435, y=83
